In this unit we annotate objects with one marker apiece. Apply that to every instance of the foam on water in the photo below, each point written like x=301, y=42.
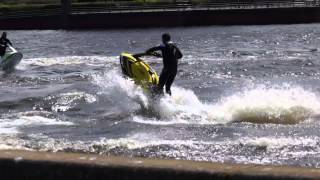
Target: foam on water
x=102, y=145
x=155, y=121
x=66, y=101
x=136, y=143
x=10, y=142
x=280, y=105
x=68, y=60
x=265, y=150
x=284, y=104
x=280, y=142
x=222, y=151
x=10, y=124
x=121, y=90
x=183, y=106
x=265, y=143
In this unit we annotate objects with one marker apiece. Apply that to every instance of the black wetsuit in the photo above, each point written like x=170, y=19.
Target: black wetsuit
x=170, y=55
x=3, y=45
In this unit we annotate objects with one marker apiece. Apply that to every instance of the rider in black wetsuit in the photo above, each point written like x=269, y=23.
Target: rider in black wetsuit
x=170, y=55
x=4, y=43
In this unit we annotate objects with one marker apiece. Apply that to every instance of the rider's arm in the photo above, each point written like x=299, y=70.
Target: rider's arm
x=9, y=42
x=153, y=49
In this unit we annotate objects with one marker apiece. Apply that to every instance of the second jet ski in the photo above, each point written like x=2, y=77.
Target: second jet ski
x=11, y=58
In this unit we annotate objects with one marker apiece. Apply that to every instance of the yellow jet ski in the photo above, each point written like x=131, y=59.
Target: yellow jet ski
x=138, y=70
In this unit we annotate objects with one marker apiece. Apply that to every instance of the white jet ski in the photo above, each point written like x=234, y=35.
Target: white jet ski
x=11, y=58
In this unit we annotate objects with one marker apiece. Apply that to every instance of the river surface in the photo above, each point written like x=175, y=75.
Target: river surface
x=243, y=94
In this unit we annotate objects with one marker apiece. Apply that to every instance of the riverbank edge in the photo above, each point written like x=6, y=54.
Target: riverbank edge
x=166, y=18
x=45, y=165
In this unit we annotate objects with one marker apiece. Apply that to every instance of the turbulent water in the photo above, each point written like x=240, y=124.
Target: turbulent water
x=243, y=94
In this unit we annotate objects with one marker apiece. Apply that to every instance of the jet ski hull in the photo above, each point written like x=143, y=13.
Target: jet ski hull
x=10, y=59
x=138, y=70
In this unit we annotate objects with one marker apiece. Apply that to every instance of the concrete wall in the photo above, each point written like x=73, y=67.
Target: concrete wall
x=43, y=165
x=167, y=19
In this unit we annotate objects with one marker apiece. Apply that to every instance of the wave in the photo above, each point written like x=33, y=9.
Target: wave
x=120, y=91
x=256, y=150
x=11, y=123
x=282, y=105
x=68, y=60
x=65, y=101
x=279, y=105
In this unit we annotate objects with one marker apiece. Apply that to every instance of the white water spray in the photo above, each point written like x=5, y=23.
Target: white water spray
x=278, y=105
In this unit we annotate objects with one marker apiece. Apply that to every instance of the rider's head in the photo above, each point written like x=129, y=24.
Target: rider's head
x=165, y=38
x=4, y=34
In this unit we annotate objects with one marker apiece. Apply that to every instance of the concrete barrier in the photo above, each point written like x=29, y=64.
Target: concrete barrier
x=45, y=165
